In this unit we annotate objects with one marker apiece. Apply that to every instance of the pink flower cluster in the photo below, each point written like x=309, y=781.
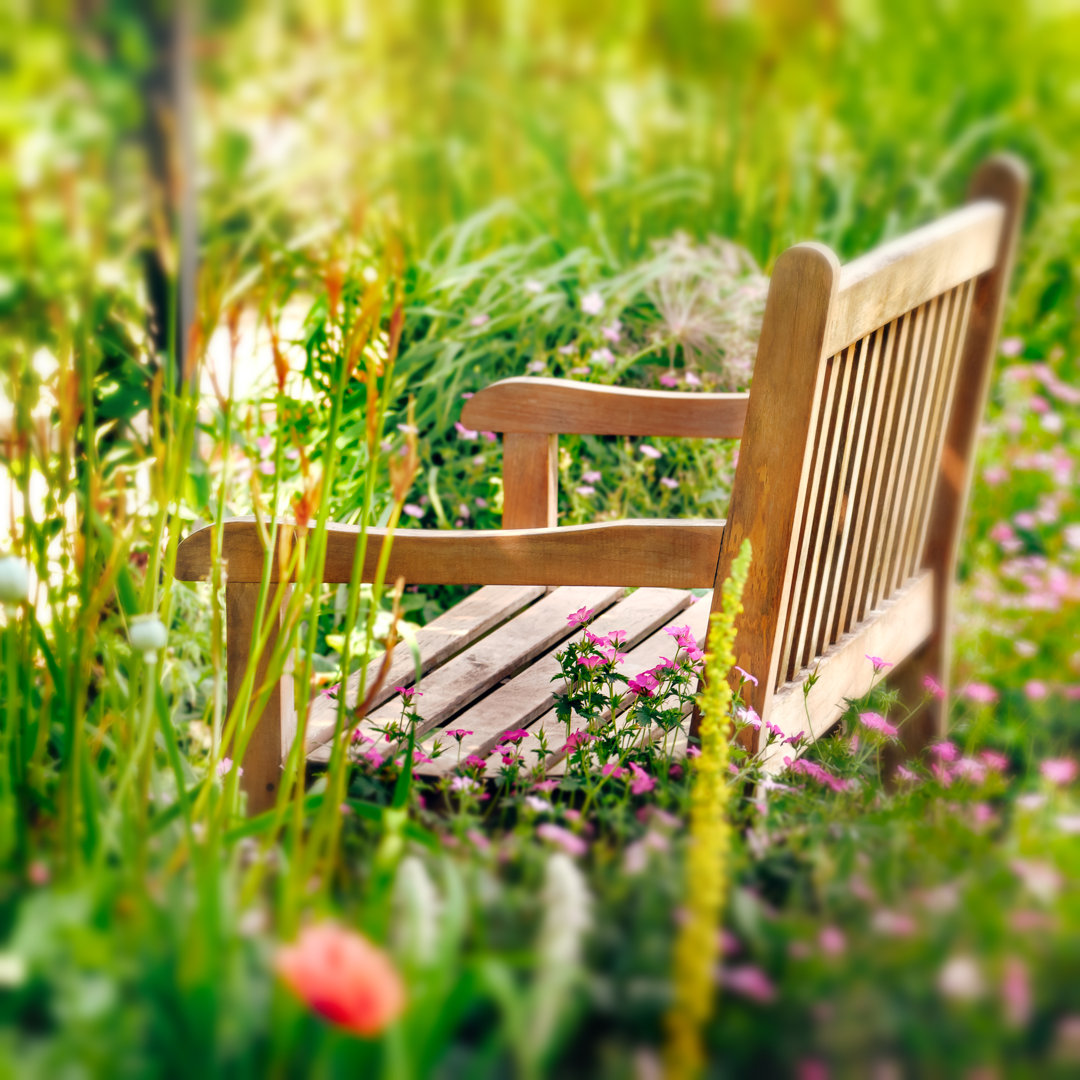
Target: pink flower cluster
x=818, y=773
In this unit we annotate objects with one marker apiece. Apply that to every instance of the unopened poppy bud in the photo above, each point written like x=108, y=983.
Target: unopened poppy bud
x=14, y=581
x=147, y=635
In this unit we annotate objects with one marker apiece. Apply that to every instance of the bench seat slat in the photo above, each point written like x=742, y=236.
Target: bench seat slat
x=437, y=642
x=471, y=673
x=517, y=703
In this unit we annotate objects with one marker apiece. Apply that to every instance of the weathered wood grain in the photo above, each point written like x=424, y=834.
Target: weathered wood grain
x=667, y=554
x=443, y=637
x=558, y=406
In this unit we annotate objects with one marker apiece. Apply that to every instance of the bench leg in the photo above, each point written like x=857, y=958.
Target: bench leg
x=262, y=758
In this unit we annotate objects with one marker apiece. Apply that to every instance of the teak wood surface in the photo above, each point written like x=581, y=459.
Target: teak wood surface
x=853, y=476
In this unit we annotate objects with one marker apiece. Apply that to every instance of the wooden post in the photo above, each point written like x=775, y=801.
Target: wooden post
x=262, y=758
x=530, y=480
x=1004, y=179
x=773, y=471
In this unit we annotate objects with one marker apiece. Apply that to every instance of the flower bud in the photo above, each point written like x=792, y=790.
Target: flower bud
x=147, y=635
x=14, y=581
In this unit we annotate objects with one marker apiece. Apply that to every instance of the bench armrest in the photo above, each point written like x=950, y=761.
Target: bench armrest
x=562, y=407
x=671, y=554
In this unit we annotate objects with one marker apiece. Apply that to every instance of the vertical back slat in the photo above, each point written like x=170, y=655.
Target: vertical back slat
x=894, y=420
x=852, y=481
x=922, y=329
x=944, y=403
x=831, y=524
x=924, y=363
x=773, y=475
x=811, y=520
x=859, y=483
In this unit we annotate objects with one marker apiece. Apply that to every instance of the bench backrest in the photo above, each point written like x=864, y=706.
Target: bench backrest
x=856, y=457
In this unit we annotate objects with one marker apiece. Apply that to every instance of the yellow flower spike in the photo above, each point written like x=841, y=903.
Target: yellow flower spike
x=710, y=837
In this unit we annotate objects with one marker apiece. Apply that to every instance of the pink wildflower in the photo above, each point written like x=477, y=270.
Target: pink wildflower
x=995, y=761
x=590, y=661
x=1036, y=690
x=593, y=639
x=1016, y=996
x=514, y=735
x=816, y=772
x=1060, y=771
x=893, y=923
x=612, y=769
x=749, y=982
x=879, y=664
x=578, y=739
x=463, y=431
x=876, y=722
x=746, y=676
x=980, y=693
x=944, y=750
x=580, y=617
x=408, y=692
x=935, y=688
x=832, y=941
x=570, y=842
x=458, y=733
x=669, y=379
x=474, y=761
x=651, y=452
x=644, y=685
x=693, y=751
x=642, y=781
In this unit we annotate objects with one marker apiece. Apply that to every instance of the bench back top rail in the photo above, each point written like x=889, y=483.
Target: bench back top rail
x=856, y=455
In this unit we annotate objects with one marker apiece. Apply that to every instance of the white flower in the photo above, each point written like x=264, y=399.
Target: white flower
x=147, y=635
x=14, y=581
x=417, y=907
x=567, y=904
x=592, y=303
x=961, y=979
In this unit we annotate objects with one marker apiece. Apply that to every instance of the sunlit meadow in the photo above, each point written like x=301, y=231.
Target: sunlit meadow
x=256, y=257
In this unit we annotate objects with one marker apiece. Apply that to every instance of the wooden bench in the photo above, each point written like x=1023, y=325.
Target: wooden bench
x=854, y=469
